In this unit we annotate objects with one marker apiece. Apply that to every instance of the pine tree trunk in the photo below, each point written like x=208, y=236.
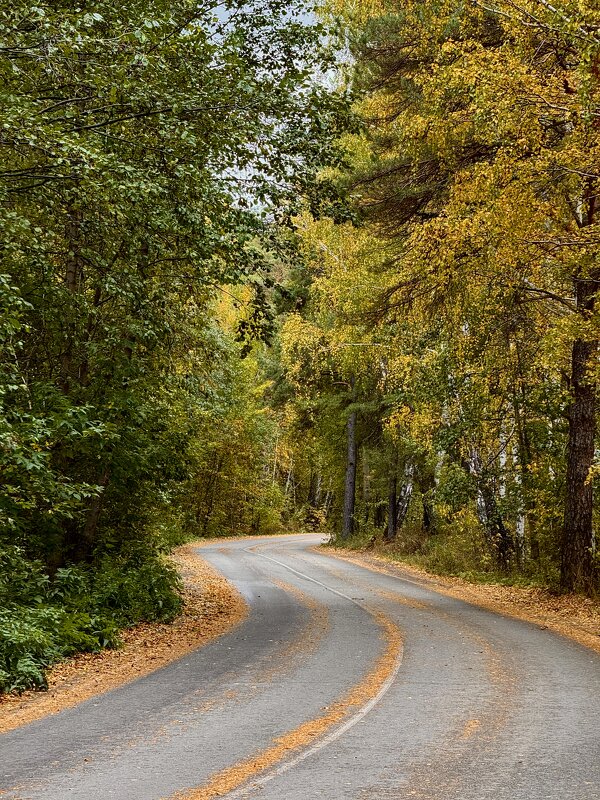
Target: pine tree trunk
x=366, y=485
x=350, y=482
x=577, y=552
x=577, y=571
x=392, y=528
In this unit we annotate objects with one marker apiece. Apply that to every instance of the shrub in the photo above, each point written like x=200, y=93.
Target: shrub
x=43, y=619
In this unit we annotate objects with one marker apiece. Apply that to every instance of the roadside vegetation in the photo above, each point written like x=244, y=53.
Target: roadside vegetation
x=151, y=153
x=240, y=295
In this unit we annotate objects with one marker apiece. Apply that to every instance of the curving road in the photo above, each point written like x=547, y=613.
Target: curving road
x=313, y=697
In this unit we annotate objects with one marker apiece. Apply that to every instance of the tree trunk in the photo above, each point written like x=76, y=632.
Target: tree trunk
x=498, y=537
x=328, y=500
x=426, y=483
x=520, y=539
x=577, y=571
x=524, y=458
x=90, y=530
x=73, y=275
x=312, y=489
x=366, y=485
x=350, y=482
x=392, y=526
x=427, y=516
x=319, y=488
x=210, y=495
x=379, y=515
x=405, y=495
x=289, y=481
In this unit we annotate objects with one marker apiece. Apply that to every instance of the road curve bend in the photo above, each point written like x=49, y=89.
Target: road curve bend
x=341, y=684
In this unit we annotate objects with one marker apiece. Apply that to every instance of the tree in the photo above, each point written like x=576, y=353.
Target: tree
x=152, y=154
x=145, y=148
x=483, y=129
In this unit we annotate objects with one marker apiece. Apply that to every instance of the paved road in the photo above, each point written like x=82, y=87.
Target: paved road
x=476, y=706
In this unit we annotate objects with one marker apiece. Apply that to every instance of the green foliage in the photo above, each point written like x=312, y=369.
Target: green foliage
x=43, y=619
x=459, y=548
x=152, y=155
x=147, y=150
x=232, y=488
x=135, y=586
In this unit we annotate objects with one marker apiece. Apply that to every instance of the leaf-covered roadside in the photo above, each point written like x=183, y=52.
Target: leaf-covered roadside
x=572, y=615
x=211, y=606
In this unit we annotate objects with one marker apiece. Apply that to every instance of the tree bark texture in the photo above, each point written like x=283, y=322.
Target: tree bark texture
x=577, y=569
x=350, y=482
x=497, y=535
x=404, y=495
x=392, y=527
x=577, y=552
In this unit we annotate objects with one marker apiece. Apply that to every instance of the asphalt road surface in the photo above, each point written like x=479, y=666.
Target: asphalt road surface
x=312, y=697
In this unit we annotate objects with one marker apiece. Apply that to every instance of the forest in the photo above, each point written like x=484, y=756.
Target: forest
x=268, y=268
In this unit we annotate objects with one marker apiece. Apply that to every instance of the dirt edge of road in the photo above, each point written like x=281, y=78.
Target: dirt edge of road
x=573, y=616
x=212, y=607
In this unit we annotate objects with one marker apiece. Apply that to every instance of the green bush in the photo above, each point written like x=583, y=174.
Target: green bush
x=43, y=619
x=137, y=586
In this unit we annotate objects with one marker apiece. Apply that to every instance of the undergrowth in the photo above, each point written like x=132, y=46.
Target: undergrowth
x=44, y=619
x=453, y=551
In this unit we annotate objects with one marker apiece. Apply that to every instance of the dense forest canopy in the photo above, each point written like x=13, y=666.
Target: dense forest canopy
x=462, y=351
x=257, y=275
